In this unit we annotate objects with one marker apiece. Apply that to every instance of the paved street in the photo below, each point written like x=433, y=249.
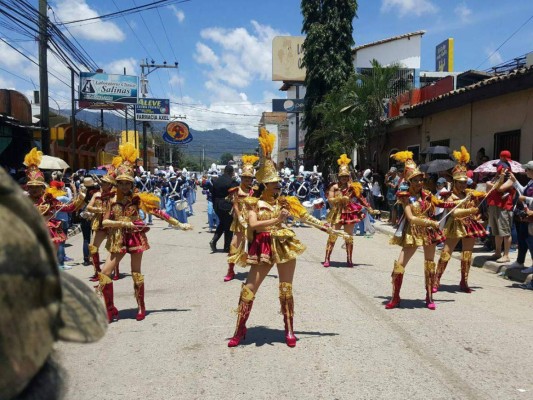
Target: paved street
x=475, y=346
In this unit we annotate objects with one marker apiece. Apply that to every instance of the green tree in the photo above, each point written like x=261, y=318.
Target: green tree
x=225, y=158
x=328, y=62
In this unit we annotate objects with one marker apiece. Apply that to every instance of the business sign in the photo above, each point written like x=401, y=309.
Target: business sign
x=101, y=87
x=93, y=105
x=153, y=109
x=288, y=105
x=177, y=133
x=287, y=58
x=444, y=56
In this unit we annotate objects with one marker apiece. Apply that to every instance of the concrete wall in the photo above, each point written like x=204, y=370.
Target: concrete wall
x=475, y=124
x=405, y=51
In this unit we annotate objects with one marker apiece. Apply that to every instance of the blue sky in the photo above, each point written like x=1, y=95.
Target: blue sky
x=224, y=47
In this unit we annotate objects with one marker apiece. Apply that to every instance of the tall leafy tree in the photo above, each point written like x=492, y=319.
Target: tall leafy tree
x=328, y=61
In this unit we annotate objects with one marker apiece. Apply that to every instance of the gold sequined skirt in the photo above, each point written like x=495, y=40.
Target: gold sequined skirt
x=464, y=228
x=277, y=247
x=414, y=236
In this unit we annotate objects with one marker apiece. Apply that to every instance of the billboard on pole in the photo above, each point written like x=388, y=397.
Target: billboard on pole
x=95, y=86
x=287, y=58
x=153, y=109
x=444, y=56
x=288, y=105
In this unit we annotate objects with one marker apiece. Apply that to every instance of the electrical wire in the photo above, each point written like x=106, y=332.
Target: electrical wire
x=505, y=41
x=134, y=33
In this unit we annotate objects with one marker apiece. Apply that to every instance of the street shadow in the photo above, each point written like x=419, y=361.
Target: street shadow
x=131, y=313
x=411, y=304
x=456, y=288
x=261, y=335
x=241, y=276
x=338, y=264
x=521, y=286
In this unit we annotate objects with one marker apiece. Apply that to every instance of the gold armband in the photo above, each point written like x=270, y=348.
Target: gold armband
x=464, y=212
x=95, y=210
x=424, y=222
x=108, y=223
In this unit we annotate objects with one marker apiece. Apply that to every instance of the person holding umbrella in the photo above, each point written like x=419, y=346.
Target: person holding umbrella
x=463, y=222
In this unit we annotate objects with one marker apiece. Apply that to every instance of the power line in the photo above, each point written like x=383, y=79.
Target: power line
x=128, y=11
x=134, y=33
x=505, y=41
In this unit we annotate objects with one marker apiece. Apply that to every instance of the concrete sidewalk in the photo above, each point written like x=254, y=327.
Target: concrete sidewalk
x=479, y=259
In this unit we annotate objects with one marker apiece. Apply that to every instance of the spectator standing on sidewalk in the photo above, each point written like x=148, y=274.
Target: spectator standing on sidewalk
x=524, y=221
x=500, y=202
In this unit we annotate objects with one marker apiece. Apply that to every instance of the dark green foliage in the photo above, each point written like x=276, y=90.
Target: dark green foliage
x=328, y=61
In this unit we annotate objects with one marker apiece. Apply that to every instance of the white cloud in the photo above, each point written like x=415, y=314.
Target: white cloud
x=117, y=66
x=10, y=58
x=71, y=10
x=495, y=57
x=463, y=12
x=176, y=80
x=180, y=15
x=409, y=7
x=205, y=55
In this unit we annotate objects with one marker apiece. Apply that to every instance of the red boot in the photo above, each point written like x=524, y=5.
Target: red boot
x=329, y=249
x=466, y=262
x=116, y=275
x=349, y=251
x=441, y=267
x=397, y=279
x=95, y=258
x=106, y=288
x=246, y=302
x=429, y=276
x=138, y=287
x=287, y=309
x=231, y=273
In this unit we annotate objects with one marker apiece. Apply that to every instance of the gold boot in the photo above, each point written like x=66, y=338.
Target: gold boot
x=466, y=262
x=329, y=249
x=429, y=276
x=441, y=267
x=397, y=279
x=287, y=309
x=138, y=287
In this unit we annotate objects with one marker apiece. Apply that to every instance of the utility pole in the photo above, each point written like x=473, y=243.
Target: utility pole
x=144, y=91
x=43, y=76
x=126, y=116
x=73, y=118
x=297, y=150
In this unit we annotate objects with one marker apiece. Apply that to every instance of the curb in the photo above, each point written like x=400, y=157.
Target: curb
x=479, y=261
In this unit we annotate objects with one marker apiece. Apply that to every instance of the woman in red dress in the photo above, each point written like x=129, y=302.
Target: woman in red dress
x=237, y=254
x=127, y=232
x=463, y=222
x=416, y=229
x=346, y=209
x=45, y=199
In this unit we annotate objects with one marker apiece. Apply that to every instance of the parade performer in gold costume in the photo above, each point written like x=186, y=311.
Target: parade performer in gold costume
x=346, y=209
x=463, y=222
x=127, y=231
x=97, y=207
x=237, y=254
x=416, y=229
x=45, y=199
x=272, y=242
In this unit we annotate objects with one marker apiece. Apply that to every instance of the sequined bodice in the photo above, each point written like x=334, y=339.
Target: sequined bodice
x=124, y=211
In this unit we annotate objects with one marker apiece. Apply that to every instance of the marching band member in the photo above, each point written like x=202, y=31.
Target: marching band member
x=416, y=229
x=45, y=199
x=272, y=243
x=237, y=254
x=145, y=184
x=463, y=223
x=97, y=207
x=127, y=231
x=346, y=201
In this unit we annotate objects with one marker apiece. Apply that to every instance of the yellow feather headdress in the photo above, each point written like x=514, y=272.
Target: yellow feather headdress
x=462, y=156
x=343, y=160
x=266, y=141
x=34, y=157
x=403, y=156
x=249, y=159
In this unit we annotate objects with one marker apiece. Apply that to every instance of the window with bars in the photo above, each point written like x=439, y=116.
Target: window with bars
x=509, y=140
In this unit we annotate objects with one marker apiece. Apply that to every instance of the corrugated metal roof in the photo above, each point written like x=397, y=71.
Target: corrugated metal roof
x=487, y=82
x=405, y=35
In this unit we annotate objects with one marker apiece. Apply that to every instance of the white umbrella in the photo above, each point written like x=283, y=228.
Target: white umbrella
x=49, y=162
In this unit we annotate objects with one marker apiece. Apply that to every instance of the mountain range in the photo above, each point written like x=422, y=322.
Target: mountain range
x=214, y=142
